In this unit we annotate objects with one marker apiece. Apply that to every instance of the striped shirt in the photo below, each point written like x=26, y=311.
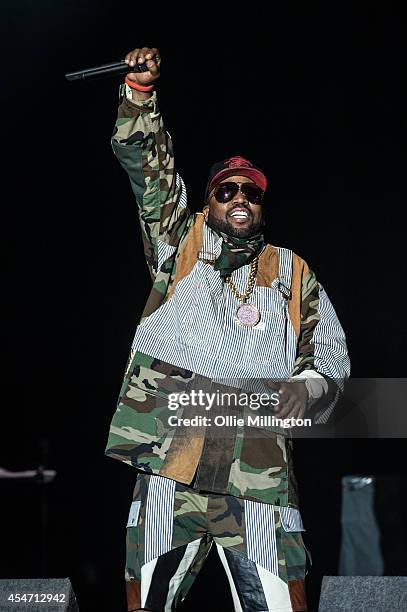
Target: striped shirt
x=197, y=329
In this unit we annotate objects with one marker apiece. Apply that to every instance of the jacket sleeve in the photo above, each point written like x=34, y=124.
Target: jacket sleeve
x=145, y=151
x=322, y=356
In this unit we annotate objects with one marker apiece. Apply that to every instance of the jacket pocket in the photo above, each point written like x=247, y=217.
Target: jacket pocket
x=134, y=514
x=291, y=519
x=265, y=342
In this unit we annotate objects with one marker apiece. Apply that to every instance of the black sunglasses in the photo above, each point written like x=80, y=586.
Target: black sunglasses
x=226, y=191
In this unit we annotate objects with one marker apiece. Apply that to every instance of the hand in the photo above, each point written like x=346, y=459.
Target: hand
x=139, y=56
x=293, y=399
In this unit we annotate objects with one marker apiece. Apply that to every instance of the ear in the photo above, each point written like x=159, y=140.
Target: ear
x=206, y=211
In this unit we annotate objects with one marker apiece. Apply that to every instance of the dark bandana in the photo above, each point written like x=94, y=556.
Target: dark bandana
x=237, y=252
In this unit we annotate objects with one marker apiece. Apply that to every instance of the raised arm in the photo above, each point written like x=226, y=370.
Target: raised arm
x=144, y=149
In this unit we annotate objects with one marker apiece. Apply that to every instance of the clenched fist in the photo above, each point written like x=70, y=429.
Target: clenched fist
x=139, y=56
x=293, y=399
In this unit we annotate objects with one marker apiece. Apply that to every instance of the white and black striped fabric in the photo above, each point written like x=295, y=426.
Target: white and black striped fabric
x=164, y=250
x=197, y=328
x=164, y=569
x=259, y=524
x=159, y=517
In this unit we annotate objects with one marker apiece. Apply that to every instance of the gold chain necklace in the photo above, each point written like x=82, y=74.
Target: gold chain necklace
x=247, y=314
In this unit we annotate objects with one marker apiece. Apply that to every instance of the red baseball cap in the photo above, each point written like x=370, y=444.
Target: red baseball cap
x=235, y=166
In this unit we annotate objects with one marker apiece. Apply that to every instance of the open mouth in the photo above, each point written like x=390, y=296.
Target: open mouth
x=240, y=214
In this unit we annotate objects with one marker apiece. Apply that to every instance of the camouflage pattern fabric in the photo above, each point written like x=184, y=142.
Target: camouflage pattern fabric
x=249, y=462
x=203, y=519
x=145, y=151
x=306, y=350
x=144, y=402
x=237, y=252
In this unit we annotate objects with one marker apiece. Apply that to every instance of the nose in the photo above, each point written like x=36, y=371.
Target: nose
x=240, y=197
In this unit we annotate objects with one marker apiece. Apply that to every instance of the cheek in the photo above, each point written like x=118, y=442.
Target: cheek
x=257, y=214
x=217, y=211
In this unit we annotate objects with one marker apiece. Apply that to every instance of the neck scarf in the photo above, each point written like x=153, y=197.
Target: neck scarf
x=237, y=252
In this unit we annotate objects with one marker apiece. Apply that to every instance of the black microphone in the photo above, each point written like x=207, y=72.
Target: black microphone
x=106, y=70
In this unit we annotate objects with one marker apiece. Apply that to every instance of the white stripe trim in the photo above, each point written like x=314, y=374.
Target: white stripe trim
x=159, y=517
x=235, y=596
x=261, y=535
x=275, y=591
x=182, y=202
x=291, y=519
x=185, y=563
x=146, y=577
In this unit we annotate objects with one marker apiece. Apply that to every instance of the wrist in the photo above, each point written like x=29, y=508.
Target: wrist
x=140, y=96
x=139, y=92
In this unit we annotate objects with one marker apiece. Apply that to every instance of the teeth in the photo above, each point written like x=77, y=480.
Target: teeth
x=239, y=213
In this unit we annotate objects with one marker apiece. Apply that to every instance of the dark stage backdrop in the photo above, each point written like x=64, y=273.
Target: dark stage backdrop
x=314, y=96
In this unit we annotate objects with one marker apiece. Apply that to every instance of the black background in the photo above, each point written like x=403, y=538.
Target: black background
x=315, y=96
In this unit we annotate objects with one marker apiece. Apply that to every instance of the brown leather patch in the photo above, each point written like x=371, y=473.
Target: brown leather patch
x=185, y=450
x=298, y=596
x=183, y=455
x=133, y=590
x=300, y=270
x=260, y=449
x=268, y=267
x=217, y=455
x=189, y=252
x=268, y=271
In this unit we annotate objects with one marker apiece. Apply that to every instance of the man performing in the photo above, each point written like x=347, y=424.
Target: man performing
x=226, y=311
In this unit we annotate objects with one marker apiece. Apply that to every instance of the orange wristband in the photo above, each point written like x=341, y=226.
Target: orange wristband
x=134, y=85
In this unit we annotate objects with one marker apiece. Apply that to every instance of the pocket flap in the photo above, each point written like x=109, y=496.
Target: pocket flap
x=134, y=514
x=291, y=519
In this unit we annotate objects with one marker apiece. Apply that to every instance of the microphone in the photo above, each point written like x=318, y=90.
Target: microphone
x=106, y=70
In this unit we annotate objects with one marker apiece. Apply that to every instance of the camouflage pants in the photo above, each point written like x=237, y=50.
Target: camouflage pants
x=171, y=529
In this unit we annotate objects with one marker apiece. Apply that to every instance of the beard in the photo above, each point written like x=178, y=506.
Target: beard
x=223, y=225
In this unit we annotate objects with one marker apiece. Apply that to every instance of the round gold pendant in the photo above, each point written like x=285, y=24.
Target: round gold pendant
x=248, y=315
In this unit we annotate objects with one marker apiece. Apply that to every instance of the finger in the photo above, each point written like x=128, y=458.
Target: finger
x=132, y=57
x=282, y=402
x=285, y=396
x=292, y=414
x=153, y=61
x=142, y=55
x=151, y=53
x=284, y=410
x=275, y=385
x=152, y=66
x=287, y=402
x=301, y=411
x=284, y=392
x=295, y=410
x=298, y=411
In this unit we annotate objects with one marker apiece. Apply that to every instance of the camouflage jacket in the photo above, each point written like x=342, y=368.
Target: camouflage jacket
x=188, y=338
